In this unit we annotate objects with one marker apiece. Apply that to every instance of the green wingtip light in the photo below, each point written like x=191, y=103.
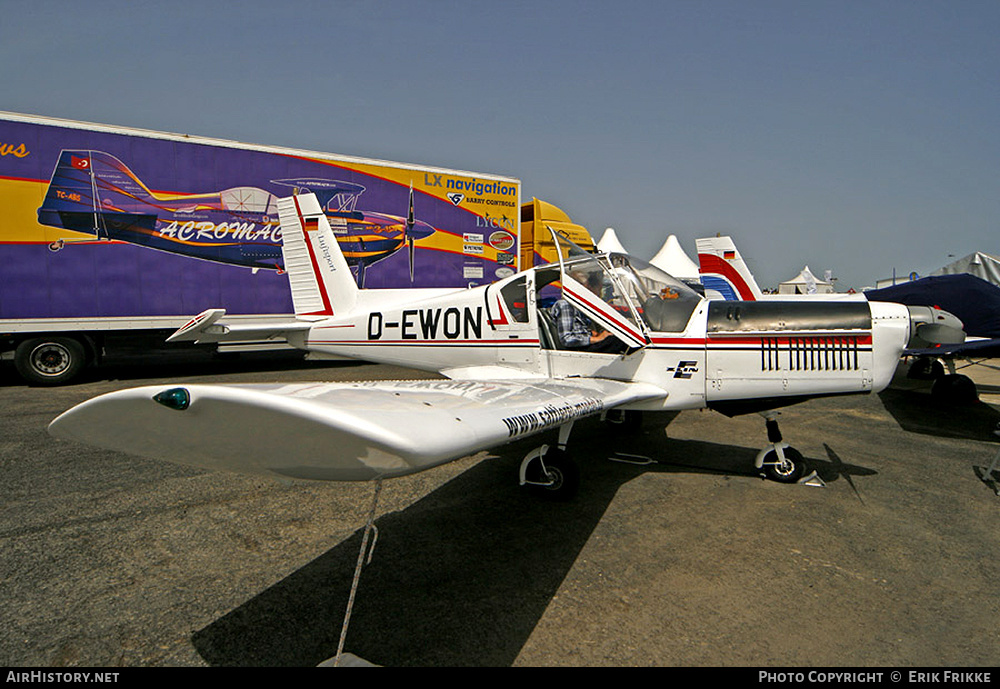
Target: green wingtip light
x=174, y=398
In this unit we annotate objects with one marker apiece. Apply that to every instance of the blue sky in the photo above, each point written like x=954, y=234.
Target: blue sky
x=856, y=137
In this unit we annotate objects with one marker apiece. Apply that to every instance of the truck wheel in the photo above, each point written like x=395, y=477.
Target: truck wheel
x=49, y=360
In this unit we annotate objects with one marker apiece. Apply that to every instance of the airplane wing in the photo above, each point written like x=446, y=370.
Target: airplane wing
x=335, y=431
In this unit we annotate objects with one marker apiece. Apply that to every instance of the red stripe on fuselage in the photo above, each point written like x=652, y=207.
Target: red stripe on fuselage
x=788, y=339
x=509, y=344
x=494, y=321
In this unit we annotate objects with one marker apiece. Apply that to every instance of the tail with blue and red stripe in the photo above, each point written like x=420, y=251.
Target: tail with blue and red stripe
x=724, y=271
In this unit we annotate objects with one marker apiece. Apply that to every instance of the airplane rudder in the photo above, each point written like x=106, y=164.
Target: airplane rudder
x=338, y=280
x=83, y=171
x=72, y=172
x=722, y=268
x=750, y=291
x=321, y=280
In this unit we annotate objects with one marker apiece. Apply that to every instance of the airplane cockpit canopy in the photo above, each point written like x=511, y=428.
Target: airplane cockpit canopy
x=248, y=200
x=635, y=289
x=666, y=303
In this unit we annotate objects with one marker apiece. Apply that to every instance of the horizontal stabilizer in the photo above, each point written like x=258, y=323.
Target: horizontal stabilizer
x=333, y=431
x=202, y=323
x=206, y=328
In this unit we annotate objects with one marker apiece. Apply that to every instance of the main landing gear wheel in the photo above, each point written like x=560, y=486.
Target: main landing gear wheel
x=550, y=473
x=787, y=469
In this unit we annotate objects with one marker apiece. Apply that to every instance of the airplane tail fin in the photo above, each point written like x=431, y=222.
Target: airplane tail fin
x=320, y=279
x=86, y=186
x=723, y=269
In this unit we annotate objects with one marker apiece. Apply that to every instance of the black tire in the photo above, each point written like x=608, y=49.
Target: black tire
x=793, y=469
x=50, y=361
x=561, y=475
x=954, y=388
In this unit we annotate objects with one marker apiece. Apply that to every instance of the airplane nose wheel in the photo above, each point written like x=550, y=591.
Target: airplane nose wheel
x=780, y=461
x=786, y=467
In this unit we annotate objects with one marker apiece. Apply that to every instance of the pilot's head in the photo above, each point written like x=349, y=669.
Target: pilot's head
x=595, y=282
x=592, y=279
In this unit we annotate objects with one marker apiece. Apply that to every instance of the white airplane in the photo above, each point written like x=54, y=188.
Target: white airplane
x=508, y=374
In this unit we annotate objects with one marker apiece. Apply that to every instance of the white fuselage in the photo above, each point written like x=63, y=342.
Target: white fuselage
x=728, y=353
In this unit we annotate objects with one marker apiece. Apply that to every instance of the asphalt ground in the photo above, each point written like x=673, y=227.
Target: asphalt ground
x=693, y=560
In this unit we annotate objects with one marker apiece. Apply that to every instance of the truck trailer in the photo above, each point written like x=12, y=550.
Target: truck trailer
x=114, y=237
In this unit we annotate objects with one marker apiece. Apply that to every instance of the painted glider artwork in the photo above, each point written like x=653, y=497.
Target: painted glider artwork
x=95, y=193
x=507, y=374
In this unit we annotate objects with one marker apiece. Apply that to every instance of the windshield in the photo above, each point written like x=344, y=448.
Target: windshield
x=665, y=303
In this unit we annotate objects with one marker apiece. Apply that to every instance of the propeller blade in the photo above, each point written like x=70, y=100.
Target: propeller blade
x=410, y=222
x=409, y=243
x=410, y=219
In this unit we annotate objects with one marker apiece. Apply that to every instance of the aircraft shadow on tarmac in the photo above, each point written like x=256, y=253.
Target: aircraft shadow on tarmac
x=462, y=576
x=730, y=460
x=920, y=413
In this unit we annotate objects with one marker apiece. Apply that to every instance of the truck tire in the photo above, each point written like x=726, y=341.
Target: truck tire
x=49, y=360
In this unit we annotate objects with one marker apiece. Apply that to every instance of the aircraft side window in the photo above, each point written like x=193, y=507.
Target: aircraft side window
x=515, y=296
x=547, y=286
x=547, y=292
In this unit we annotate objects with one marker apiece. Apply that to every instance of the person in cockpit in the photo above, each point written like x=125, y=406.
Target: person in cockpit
x=575, y=331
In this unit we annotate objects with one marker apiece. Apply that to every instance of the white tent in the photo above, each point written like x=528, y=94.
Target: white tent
x=672, y=259
x=979, y=264
x=609, y=243
x=805, y=283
